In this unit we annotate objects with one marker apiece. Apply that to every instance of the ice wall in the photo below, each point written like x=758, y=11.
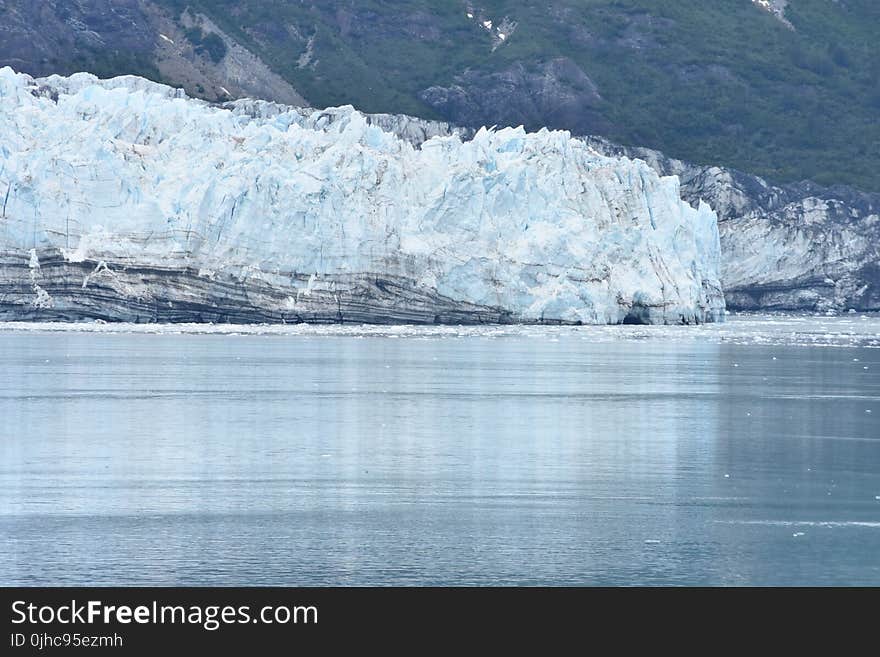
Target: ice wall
x=123, y=199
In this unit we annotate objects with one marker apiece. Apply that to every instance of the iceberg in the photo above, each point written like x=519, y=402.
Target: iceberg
x=125, y=200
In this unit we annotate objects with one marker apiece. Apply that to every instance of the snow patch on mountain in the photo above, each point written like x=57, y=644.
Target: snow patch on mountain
x=499, y=31
x=775, y=7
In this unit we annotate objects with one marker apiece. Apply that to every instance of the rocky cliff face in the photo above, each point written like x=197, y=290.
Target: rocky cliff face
x=124, y=199
x=134, y=36
x=800, y=246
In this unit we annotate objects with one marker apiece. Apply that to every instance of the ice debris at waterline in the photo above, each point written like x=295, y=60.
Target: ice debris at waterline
x=764, y=330
x=125, y=200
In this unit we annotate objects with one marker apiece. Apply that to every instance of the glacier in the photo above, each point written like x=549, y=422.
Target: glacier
x=125, y=200
x=793, y=247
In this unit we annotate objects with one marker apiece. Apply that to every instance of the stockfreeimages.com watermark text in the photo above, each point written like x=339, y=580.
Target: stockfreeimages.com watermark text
x=210, y=617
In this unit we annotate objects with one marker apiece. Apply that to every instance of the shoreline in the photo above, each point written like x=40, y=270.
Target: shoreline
x=848, y=330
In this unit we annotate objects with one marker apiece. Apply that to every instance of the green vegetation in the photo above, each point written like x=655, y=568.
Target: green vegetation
x=719, y=82
x=209, y=44
x=108, y=63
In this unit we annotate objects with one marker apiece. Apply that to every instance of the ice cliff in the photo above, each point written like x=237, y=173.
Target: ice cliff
x=123, y=199
x=799, y=246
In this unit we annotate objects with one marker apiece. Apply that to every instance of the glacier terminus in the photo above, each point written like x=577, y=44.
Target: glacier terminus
x=123, y=199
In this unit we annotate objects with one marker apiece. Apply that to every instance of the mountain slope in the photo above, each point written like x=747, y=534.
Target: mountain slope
x=137, y=37
x=787, y=90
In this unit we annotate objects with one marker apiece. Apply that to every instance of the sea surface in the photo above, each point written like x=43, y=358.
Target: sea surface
x=746, y=453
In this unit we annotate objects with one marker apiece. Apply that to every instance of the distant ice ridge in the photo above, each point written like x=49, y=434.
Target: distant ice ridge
x=123, y=199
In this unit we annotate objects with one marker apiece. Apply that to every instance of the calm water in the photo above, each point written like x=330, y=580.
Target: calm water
x=743, y=454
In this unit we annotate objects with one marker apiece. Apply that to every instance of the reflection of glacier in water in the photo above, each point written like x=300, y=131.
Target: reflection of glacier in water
x=731, y=454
